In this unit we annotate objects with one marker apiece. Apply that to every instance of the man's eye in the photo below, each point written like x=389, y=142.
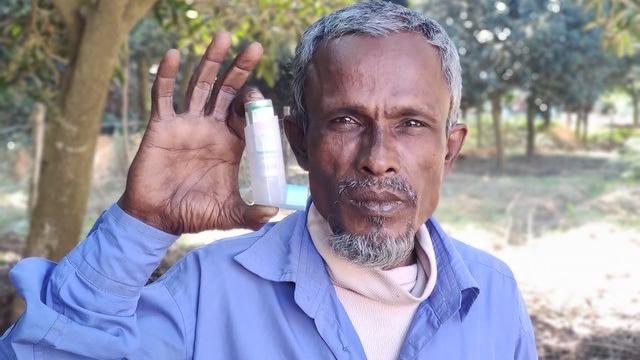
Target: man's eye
x=345, y=120
x=413, y=123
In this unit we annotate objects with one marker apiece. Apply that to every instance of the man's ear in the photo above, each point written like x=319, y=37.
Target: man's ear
x=297, y=140
x=455, y=139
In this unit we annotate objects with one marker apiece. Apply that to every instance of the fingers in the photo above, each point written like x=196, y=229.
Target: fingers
x=237, y=121
x=162, y=90
x=255, y=216
x=203, y=79
x=227, y=87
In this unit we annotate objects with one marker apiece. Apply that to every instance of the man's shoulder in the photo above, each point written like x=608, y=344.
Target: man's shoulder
x=222, y=251
x=223, y=256
x=214, y=264
x=482, y=263
x=229, y=247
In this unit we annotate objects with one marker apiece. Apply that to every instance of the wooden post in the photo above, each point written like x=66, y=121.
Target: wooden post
x=143, y=90
x=479, y=126
x=125, y=106
x=37, y=137
x=496, y=114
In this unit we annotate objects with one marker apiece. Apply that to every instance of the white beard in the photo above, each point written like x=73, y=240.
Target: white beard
x=376, y=249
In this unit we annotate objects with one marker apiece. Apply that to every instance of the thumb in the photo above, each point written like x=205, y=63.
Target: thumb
x=254, y=216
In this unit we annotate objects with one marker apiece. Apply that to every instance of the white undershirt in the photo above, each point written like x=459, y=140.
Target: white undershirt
x=379, y=303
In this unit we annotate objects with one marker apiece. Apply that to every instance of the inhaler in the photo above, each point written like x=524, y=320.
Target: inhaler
x=264, y=152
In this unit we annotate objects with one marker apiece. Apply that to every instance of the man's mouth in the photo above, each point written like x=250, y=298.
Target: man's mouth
x=377, y=197
x=377, y=208
x=376, y=203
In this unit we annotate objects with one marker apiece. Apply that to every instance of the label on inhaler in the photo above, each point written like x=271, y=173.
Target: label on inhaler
x=265, y=138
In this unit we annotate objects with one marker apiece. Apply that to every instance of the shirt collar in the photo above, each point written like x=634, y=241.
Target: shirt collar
x=285, y=252
x=456, y=289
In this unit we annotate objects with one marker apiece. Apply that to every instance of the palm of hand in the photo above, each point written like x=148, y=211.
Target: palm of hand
x=194, y=165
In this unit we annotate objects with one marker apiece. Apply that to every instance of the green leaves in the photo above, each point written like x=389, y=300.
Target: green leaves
x=620, y=20
x=537, y=47
x=276, y=24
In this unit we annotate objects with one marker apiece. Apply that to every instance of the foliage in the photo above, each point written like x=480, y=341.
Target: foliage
x=32, y=54
x=539, y=47
x=276, y=24
x=620, y=20
x=564, y=66
x=485, y=37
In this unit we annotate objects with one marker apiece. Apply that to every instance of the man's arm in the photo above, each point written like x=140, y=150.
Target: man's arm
x=93, y=304
x=184, y=178
x=526, y=345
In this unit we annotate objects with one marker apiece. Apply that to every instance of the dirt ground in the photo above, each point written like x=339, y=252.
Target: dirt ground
x=567, y=223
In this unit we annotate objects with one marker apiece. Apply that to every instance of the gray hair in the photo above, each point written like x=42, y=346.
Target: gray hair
x=375, y=18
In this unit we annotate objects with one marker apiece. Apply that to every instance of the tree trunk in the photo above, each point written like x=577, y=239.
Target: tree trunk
x=531, y=126
x=546, y=116
x=71, y=136
x=479, y=126
x=585, y=126
x=635, y=104
x=578, y=123
x=496, y=115
x=143, y=89
x=72, y=128
x=568, y=118
x=611, y=126
x=37, y=120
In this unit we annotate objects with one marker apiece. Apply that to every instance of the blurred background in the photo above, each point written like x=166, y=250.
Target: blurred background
x=548, y=180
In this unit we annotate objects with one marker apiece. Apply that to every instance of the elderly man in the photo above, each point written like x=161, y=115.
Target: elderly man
x=364, y=272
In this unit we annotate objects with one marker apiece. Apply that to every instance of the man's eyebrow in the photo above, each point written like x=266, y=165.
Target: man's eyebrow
x=411, y=110
x=349, y=109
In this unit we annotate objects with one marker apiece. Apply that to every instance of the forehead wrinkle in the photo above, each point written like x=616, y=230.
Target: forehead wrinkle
x=399, y=109
x=337, y=92
x=346, y=72
x=349, y=67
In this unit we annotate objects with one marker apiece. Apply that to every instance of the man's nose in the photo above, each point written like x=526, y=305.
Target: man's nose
x=378, y=154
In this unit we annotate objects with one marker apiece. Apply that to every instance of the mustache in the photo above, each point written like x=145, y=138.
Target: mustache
x=397, y=185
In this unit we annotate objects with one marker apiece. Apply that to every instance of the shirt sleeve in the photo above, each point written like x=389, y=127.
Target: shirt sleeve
x=94, y=302
x=526, y=343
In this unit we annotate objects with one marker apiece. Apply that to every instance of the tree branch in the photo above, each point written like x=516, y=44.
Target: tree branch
x=136, y=9
x=69, y=11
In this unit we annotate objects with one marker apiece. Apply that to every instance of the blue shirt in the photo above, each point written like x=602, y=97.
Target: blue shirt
x=264, y=295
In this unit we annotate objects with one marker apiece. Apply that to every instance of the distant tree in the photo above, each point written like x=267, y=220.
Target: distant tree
x=543, y=48
x=563, y=61
x=620, y=21
x=486, y=36
x=626, y=76
x=69, y=47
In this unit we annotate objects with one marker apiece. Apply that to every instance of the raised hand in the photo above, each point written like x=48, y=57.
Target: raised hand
x=184, y=177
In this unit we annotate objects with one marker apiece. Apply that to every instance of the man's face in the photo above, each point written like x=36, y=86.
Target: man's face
x=376, y=145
